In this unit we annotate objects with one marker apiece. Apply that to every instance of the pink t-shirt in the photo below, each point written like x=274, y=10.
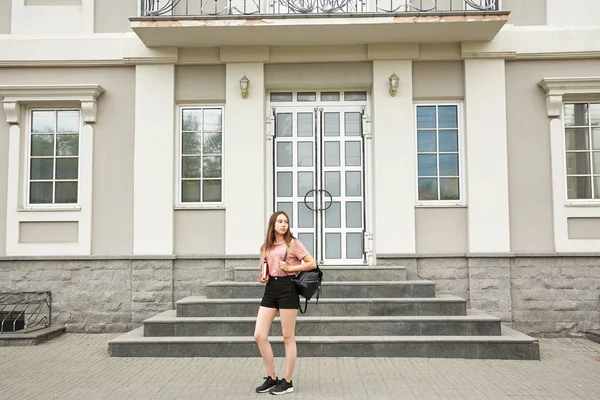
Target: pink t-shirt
x=295, y=255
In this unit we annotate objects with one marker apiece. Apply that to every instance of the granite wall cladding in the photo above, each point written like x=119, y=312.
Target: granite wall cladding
x=540, y=296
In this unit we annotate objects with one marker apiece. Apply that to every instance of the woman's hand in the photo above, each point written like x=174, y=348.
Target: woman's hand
x=263, y=281
x=284, y=266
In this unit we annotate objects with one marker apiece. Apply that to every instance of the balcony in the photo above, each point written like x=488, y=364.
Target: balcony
x=209, y=23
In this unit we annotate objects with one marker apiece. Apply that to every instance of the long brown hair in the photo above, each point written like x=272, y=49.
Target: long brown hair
x=270, y=238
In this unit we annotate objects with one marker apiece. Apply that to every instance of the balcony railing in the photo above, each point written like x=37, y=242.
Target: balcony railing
x=206, y=8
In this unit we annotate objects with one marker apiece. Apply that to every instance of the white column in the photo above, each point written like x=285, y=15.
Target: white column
x=393, y=159
x=154, y=160
x=244, y=160
x=487, y=158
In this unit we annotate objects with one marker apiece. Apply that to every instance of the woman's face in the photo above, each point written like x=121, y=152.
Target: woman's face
x=281, y=224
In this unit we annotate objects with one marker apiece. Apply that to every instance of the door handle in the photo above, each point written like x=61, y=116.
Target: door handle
x=306, y=203
x=330, y=200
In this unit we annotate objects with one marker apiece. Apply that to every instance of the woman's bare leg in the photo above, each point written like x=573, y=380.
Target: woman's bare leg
x=261, y=335
x=288, y=330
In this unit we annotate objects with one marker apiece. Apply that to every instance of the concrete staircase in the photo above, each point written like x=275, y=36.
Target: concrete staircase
x=362, y=312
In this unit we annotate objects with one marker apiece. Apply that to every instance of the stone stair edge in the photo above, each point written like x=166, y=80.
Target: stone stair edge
x=473, y=315
x=328, y=283
x=442, y=298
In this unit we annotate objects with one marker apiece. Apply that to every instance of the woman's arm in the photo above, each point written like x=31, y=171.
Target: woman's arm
x=308, y=265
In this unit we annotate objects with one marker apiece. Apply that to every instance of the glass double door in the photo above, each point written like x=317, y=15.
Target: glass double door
x=319, y=179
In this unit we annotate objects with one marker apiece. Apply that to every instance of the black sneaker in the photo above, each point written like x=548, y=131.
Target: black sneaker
x=268, y=385
x=282, y=387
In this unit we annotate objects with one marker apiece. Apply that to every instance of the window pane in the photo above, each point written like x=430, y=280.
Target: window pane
x=353, y=154
x=354, y=244
x=306, y=215
x=211, y=190
x=577, y=139
x=308, y=240
x=352, y=123
x=427, y=165
x=597, y=187
x=191, y=120
x=284, y=154
x=332, y=154
x=576, y=114
x=578, y=163
x=449, y=189
x=448, y=116
x=332, y=183
x=305, y=154
x=426, y=141
x=428, y=189
x=42, y=145
x=191, y=143
x=353, y=184
x=448, y=140
x=66, y=168
x=43, y=121
x=333, y=245
x=191, y=167
x=595, y=114
x=355, y=96
x=579, y=187
x=288, y=208
x=190, y=191
x=305, y=124
x=354, y=214
x=307, y=96
x=67, y=145
x=66, y=193
x=212, y=167
x=305, y=183
x=40, y=193
x=283, y=122
x=213, y=143
x=283, y=96
x=448, y=164
x=426, y=117
x=284, y=184
x=42, y=168
x=330, y=96
x=68, y=122
x=596, y=138
x=333, y=214
x=213, y=121
x=332, y=124
x=596, y=162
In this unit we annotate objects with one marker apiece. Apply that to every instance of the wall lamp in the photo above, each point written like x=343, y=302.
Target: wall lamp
x=394, y=82
x=244, y=85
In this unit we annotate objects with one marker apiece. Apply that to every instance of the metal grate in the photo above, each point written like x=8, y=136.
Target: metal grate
x=24, y=312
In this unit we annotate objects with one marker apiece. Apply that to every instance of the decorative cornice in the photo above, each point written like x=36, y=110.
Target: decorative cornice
x=14, y=95
x=557, y=88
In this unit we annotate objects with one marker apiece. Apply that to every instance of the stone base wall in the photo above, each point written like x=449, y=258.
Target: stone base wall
x=541, y=296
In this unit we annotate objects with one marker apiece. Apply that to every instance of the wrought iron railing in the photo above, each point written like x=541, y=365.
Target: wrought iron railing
x=159, y=8
x=25, y=311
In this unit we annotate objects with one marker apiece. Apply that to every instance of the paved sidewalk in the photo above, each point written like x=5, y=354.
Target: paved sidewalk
x=75, y=366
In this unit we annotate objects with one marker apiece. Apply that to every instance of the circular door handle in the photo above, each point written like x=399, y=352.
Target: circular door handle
x=306, y=203
x=330, y=199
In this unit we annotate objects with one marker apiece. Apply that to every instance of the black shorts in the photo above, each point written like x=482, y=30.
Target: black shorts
x=280, y=293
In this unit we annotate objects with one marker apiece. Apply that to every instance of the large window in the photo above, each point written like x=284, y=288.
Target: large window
x=582, y=145
x=54, y=156
x=438, y=152
x=201, y=154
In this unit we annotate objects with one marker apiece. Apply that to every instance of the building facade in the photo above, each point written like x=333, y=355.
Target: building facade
x=144, y=144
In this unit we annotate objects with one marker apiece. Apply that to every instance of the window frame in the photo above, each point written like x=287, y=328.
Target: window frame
x=27, y=205
x=461, y=202
x=576, y=202
x=179, y=204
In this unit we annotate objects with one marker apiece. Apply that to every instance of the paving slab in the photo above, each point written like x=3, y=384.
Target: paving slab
x=76, y=366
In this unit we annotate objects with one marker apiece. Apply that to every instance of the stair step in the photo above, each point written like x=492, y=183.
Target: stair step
x=336, y=273
x=511, y=345
x=200, y=306
x=354, y=289
x=474, y=323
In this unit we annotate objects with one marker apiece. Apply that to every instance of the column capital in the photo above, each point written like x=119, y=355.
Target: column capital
x=89, y=111
x=12, y=110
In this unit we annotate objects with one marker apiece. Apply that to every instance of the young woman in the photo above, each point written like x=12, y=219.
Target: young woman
x=284, y=254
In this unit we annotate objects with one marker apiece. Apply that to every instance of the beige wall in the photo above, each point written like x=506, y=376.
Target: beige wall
x=529, y=169
x=200, y=83
x=5, y=10
x=200, y=232
x=48, y=232
x=322, y=76
x=584, y=228
x=438, y=80
x=441, y=230
x=112, y=220
x=113, y=15
x=526, y=12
